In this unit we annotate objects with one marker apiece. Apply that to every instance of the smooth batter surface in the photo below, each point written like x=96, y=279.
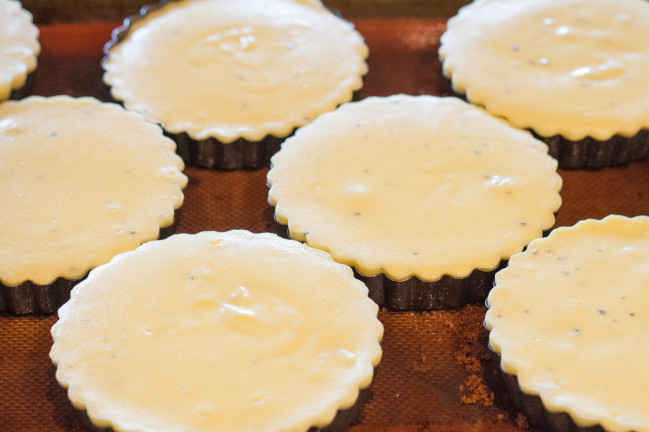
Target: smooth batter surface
x=421, y=186
x=230, y=69
x=217, y=332
x=18, y=46
x=570, y=317
x=572, y=67
x=80, y=181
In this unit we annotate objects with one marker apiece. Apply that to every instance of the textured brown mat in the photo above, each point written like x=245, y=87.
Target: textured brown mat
x=436, y=373
x=69, y=11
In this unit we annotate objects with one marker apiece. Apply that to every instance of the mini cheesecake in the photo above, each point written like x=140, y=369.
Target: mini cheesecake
x=423, y=196
x=572, y=71
x=217, y=331
x=569, y=318
x=229, y=79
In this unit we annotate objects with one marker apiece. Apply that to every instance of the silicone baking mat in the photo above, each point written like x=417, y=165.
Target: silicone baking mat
x=436, y=373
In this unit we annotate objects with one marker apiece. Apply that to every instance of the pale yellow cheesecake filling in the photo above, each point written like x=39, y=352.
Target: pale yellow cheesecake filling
x=571, y=67
x=570, y=317
x=217, y=332
x=414, y=186
x=230, y=69
x=80, y=181
x=18, y=46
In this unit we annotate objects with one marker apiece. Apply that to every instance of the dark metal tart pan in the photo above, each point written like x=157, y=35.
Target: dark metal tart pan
x=590, y=153
x=537, y=414
x=239, y=154
x=26, y=89
x=445, y=293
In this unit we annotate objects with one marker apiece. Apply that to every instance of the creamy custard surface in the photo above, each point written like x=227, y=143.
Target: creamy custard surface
x=18, y=46
x=80, y=181
x=570, y=318
x=571, y=67
x=229, y=69
x=414, y=186
x=217, y=331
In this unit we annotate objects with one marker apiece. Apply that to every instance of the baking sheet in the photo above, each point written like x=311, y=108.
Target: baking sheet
x=436, y=373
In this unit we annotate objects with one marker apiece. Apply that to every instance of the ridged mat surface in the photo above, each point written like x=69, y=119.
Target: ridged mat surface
x=436, y=373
